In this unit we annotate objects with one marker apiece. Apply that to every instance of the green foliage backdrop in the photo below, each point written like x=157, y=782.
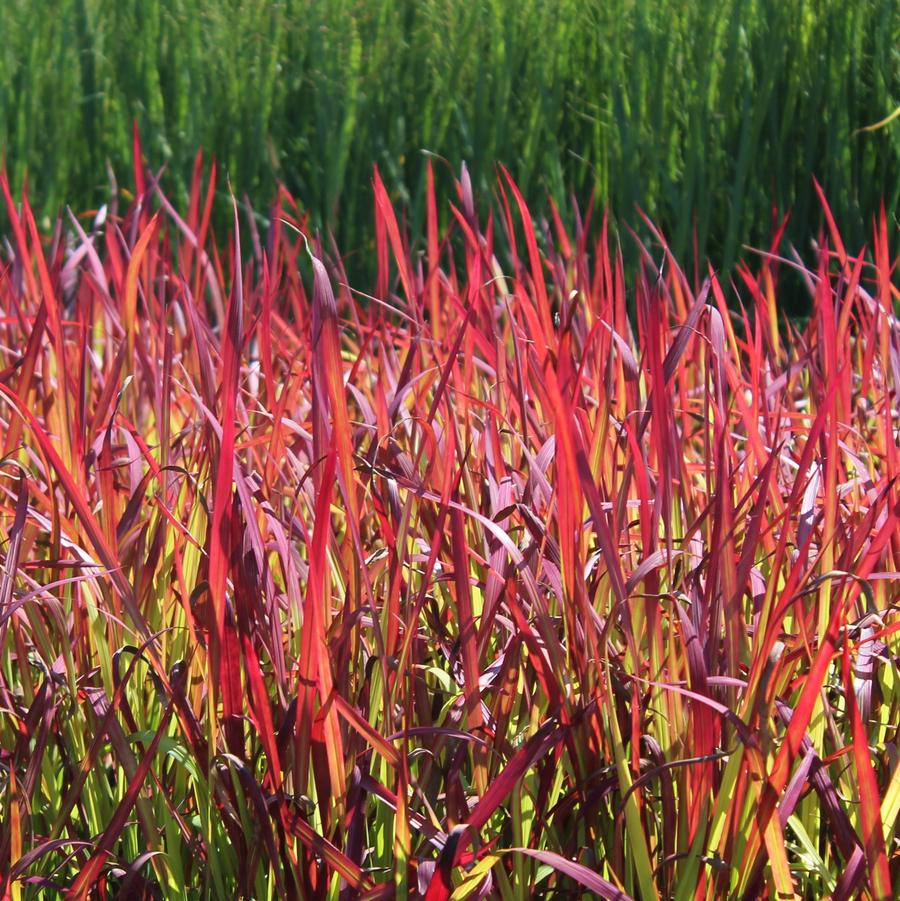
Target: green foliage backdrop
x=703, y=114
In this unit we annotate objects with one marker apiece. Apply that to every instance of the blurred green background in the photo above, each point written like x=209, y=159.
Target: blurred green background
x=705, y=114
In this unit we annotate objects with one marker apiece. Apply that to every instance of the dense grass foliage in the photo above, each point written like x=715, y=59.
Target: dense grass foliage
x=705, y=114
x=476, y=588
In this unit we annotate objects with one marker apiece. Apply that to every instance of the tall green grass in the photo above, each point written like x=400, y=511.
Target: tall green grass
x=703, y=114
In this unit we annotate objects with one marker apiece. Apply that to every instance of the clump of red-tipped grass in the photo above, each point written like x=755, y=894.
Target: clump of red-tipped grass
x=477, y=587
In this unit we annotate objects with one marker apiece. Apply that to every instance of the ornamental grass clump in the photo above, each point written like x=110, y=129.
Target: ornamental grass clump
x=508, y=576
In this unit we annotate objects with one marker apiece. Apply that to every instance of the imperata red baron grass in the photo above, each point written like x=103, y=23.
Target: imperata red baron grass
x=470, y=585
